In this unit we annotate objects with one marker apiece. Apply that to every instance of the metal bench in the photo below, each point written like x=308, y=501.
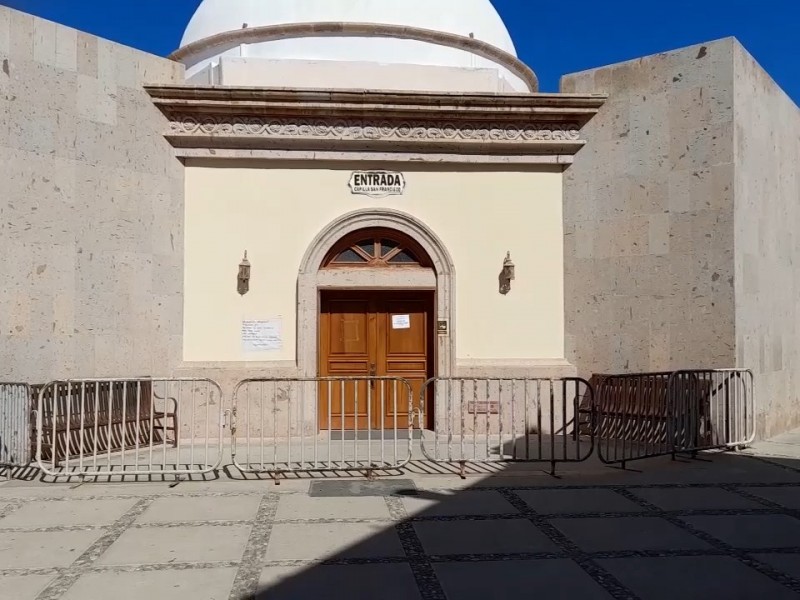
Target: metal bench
x=646, y=408
x=98, y=418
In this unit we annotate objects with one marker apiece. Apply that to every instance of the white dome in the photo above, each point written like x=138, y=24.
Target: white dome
x=467, y=18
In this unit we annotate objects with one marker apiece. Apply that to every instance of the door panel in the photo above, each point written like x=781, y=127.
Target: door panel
x=347, y=351
x=407, y=365
x=403, y=344
x=349, y=328
x=387, y=334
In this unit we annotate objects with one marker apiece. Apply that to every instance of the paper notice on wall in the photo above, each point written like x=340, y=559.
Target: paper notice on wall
x=262, y=336
x=401, y=321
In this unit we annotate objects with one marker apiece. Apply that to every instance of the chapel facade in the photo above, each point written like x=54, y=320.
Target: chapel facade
x=383, y=169
x=373, y=188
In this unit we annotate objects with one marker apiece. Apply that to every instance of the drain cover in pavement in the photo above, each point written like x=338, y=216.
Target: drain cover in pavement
x=345, y=489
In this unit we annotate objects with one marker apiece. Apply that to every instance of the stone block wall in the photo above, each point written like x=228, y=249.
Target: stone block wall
x=681, y=224
x=648, y=209
x=91, y=208
x=767, y=230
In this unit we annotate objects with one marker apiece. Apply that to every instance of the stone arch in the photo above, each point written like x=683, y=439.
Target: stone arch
x=310, y=281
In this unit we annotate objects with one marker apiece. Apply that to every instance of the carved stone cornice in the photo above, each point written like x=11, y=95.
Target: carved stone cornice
x=360, y=121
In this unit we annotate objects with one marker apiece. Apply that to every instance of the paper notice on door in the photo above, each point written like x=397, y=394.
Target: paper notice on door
x=261, y=336
x=401, y=321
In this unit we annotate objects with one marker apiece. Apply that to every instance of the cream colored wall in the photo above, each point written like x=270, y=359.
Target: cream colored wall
x=275, y=212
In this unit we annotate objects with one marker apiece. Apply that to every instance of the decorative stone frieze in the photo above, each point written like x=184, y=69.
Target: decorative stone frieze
x=365, y=129
x=473, y=125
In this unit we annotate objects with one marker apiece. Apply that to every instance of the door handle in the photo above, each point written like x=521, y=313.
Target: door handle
x=372, y=370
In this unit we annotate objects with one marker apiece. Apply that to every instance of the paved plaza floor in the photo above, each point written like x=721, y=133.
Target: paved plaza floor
x=725, y=526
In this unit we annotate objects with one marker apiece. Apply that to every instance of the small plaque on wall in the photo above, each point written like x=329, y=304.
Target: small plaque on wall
x=483, y=407
x=443, y=328
x=377, y=184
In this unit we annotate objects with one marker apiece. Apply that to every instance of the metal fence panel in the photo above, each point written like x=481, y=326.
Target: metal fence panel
x=645, y=415
x=713, y=409
x=149, y=426
x=322, y=424
x=485, y=420
x=634, y=416
x=15, y=431
x=152, y=426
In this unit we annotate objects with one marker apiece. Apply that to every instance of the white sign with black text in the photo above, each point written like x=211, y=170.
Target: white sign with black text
x=377, y=184
x=262, y=335
x=401, y=321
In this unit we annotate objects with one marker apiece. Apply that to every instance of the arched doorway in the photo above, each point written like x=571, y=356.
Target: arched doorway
x=376, y=296
x=374, y=332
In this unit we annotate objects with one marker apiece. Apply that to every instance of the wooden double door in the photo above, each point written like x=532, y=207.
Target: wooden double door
x=373, y=334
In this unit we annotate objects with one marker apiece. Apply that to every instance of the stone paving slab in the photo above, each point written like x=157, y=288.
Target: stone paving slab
x=785, y=563
x=354, y=582
x=200, y=509
x=43, y=549
x=556, y=579
x=578, y=501
x=695, y=499
x=788, y=497
x=34, y=515
x=23, y=587
x=185, y=584
x=318, y=541
x=598, y=534
x=482, y=537
x=694, y=578
x=751, y=531
x=163, y=545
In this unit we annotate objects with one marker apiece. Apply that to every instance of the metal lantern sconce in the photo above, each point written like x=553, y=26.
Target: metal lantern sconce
x=507, y=275
x=244, y=275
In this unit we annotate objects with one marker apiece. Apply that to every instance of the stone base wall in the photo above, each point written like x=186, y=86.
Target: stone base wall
x=304, y=396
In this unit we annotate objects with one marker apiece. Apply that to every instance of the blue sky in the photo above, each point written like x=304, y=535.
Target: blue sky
x=553, y=37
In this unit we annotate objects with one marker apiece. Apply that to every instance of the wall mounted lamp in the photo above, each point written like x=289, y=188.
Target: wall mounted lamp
x=244, y=275
x=507, y=275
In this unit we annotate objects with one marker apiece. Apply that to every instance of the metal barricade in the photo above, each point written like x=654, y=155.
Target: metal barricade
x=713, y=408
x=634, y=418
x=15, y=412
x=322, y=424
x=490, y=420
x=113, y=427
x=645, y=415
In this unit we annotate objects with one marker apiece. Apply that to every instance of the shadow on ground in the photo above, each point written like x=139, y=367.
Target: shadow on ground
x=722, y=525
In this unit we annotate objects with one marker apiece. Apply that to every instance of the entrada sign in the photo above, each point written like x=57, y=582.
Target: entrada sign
x=377, y=184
